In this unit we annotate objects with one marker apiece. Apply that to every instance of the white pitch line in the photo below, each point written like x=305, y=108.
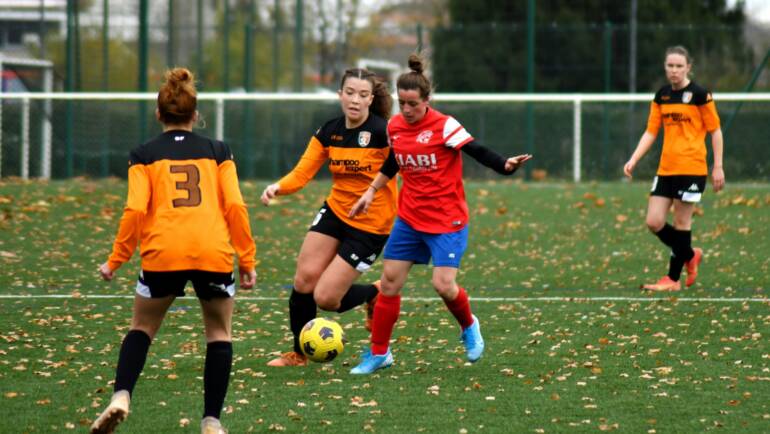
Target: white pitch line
x=436, y=298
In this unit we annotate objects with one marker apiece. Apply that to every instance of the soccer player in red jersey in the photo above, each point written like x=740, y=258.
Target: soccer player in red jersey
x=186, y=211
x=338, y=248
x=687, y=112
x=432, y=222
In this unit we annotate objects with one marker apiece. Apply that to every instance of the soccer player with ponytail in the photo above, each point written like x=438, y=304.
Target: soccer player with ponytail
x=432, y=221
x=337, y=249
x=687, y=112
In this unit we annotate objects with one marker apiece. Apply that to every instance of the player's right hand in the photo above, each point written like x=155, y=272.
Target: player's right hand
x=106, y=272
x=628, y=169
x=270, y=192
x=248, y=278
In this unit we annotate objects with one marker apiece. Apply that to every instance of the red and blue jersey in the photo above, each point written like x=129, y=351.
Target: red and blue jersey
x=432, y=197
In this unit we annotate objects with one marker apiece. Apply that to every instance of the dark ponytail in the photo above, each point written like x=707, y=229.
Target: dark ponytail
x=415, y=78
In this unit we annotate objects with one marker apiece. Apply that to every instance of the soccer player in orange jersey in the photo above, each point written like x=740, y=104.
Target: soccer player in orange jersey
x=687, y=112
x=432, y=223
x=337, y=248
x=185, y=210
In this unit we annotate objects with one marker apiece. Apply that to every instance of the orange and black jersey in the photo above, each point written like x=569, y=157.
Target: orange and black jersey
x=686, y=115
x=184, y=207
x=354, y=157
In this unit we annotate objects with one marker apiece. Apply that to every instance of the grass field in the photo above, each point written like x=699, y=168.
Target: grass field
x=553, y=271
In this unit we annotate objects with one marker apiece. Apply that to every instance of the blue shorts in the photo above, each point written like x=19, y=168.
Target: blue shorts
x=407, y=244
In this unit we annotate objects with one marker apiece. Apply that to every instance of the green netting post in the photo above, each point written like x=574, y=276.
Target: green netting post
x=226, y=47
x=298, y=63
x=199, y=43
x=170, y=61
x=248, y=112
x=68, y=87
x=142, y=82
x=530, y=122
x=607, y=88
x=105, y=160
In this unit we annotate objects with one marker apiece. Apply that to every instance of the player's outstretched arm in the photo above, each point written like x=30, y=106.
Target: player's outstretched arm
x=492, y=159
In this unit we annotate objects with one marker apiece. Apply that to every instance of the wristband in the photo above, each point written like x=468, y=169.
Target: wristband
x=375, y=188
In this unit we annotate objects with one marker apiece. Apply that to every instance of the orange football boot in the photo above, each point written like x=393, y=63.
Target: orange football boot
x=290, y=358
x=692, y=266
x=664, y=284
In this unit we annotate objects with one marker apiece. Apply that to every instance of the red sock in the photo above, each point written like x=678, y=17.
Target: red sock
x=386, y=311
x=461, y=308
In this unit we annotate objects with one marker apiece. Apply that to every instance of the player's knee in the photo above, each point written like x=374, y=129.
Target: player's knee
x=444, y=285
x=328, y=302
x=305, y=281
x=682, y=223
x=390, y=285
x=655, y=224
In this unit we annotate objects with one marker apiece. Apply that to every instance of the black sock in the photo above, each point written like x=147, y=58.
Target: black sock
x=683, y=246
x=302, y=308
x=667, y=235
x=681, y=253
x=675, y=265
x=356, y=296
x=216, y=376
x=133, y=353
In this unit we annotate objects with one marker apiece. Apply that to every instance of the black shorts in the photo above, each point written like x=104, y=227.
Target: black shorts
x=207, y=284
x=686, y=188
x=358, y=248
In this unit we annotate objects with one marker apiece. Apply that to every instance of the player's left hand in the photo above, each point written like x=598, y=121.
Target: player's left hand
x=718, y=178
x=363, y=203
x=106, y=273
x=514, y=163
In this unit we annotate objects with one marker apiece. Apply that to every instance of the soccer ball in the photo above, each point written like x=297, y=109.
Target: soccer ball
x=322, y=340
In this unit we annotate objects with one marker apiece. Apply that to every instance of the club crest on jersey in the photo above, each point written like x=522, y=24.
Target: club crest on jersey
x=364, y=137
x=686, y=97
x=424, y=136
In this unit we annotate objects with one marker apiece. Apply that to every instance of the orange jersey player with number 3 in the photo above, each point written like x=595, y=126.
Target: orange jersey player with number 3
x=686, y=112
x=186, y=211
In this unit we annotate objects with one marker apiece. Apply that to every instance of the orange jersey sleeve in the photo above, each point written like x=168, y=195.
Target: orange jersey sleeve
x=237, y=216
x=309, y=164
x=708, y=113
x=654, y=120
x=139, y=192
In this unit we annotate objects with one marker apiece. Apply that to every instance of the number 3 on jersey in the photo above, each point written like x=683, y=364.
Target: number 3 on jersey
x=190, y=184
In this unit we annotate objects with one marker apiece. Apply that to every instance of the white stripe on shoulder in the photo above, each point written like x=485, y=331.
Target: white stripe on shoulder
x=454, y=133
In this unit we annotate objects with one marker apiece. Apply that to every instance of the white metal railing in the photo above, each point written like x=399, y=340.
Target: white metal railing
x=577, y=100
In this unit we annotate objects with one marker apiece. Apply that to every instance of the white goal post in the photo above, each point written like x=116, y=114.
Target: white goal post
x=47, y=67
x=576, y=99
